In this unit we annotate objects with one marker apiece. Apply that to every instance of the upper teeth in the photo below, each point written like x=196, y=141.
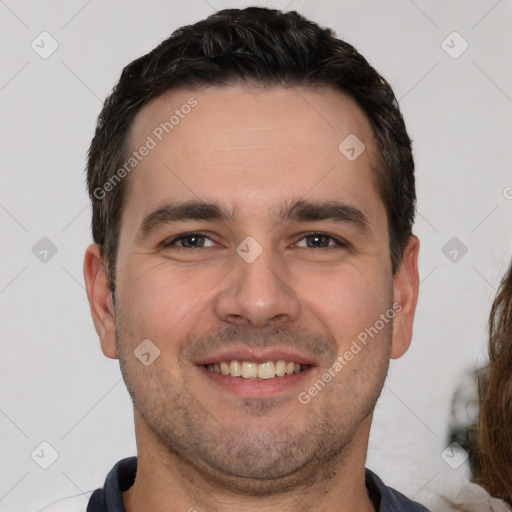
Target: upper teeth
x=251, y=370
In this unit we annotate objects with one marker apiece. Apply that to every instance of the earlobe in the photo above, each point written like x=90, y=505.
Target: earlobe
x=406, y=288
x=100, y=300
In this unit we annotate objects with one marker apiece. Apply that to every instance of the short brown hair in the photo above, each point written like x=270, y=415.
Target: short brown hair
x=266, y=47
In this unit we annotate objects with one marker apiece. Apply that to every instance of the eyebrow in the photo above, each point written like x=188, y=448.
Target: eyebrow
x=306, y=211
x=179, y=212
x=298, y=211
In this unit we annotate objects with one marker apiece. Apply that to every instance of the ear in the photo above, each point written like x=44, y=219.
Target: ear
x=100, y=300
x=406, y=287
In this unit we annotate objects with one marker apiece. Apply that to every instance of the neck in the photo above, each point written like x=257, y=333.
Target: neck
x=167, y=482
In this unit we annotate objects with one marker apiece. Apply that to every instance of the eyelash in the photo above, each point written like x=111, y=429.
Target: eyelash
x=171, y=241
x=338, y=241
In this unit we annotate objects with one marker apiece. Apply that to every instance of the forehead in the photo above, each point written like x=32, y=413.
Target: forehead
x=252, y=148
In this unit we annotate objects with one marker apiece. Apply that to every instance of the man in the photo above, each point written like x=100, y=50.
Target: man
x=254, y=268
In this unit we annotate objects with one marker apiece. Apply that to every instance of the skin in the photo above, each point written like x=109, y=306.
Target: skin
x=216, y=448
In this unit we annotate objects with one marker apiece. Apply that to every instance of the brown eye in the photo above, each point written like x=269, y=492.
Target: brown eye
x=190, y=241
x=319, y=241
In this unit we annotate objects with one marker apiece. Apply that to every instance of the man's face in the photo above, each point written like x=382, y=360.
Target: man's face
x=248, y=236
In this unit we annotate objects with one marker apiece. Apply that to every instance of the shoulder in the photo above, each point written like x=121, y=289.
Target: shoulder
x=388, y=499
x=470, y=498
x=120, y=478
x=70, y=504
x=473, y=498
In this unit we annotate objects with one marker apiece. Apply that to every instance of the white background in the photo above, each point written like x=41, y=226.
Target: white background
x=56, y=386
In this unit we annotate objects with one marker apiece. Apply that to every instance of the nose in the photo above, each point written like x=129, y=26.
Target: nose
x=258, y=294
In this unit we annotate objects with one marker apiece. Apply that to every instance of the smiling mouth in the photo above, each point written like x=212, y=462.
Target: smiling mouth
x=253, y=370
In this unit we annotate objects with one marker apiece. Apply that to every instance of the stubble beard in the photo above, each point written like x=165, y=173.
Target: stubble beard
x=239, y=455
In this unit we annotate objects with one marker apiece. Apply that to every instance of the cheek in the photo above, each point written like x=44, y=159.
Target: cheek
x=346, y=301
x=161, y=303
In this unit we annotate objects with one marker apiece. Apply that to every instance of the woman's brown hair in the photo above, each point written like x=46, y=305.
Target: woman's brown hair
x=495, y=456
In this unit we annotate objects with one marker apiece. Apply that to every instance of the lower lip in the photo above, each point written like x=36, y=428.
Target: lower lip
x=263, y=388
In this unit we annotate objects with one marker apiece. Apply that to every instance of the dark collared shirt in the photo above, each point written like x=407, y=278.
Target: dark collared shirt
x=122, y=477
